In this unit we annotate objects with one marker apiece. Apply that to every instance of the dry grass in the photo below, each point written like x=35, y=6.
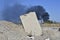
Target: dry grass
x=50, y=25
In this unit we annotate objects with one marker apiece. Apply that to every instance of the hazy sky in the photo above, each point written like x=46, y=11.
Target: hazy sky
x=51, y=6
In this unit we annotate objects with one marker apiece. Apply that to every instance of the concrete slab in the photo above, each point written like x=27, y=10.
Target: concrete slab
x=31, y=24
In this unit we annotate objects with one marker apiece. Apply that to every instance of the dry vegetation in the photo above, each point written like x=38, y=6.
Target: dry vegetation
x=50, y=25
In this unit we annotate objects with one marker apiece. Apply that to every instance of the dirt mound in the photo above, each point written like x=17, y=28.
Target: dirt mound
x=11, y=31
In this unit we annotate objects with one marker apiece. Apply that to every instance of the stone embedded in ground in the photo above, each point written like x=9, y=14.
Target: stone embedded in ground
x=31, y=24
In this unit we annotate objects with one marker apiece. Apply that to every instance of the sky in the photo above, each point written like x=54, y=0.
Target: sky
x=51, y=6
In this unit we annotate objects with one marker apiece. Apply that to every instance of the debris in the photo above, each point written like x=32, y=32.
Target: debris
x=31, y=24
x=59, y=29
x=47, y=39
x=30, y=37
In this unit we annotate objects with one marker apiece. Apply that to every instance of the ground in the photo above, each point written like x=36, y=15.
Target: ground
x=11, y=31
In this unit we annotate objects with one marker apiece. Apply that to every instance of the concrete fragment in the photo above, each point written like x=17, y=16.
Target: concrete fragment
x=31, y=24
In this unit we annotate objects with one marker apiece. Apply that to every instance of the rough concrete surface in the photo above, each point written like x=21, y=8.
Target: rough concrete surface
x=11, y=31
x=31, y=24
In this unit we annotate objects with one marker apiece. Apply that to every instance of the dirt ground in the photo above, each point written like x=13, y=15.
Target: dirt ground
x=52, y=32
x=10, y=31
